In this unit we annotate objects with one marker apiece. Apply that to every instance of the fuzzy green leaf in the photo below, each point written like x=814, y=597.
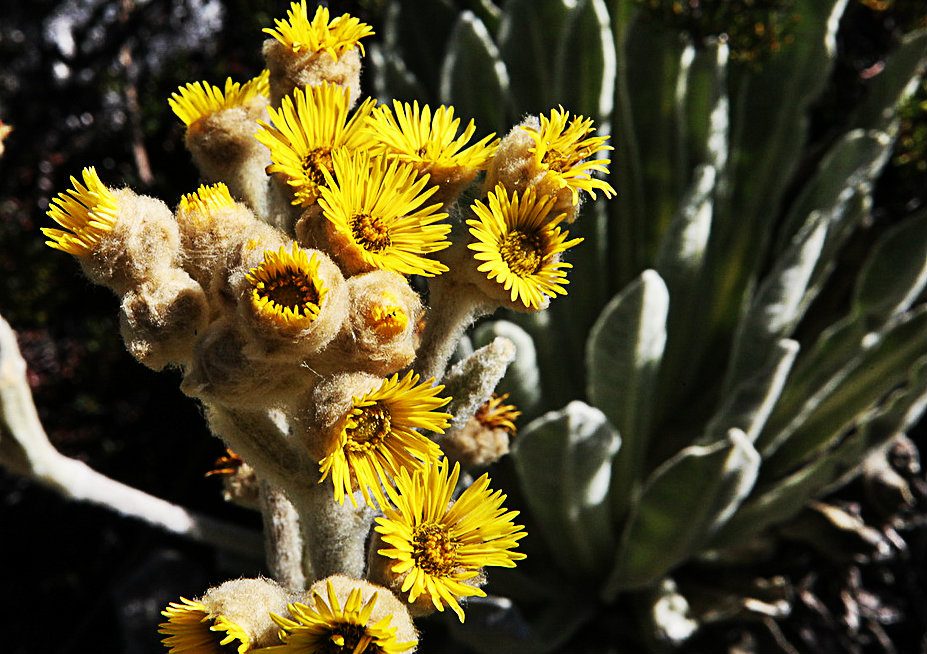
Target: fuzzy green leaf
x=564, y=465
x=845, y=398
x=528, y=38
x=522, y=380
x=586, y=67
x=473, y=63
x=895, y=273
x=391, y=78
x=419, y=30
x=623, y=358
x=679, y=506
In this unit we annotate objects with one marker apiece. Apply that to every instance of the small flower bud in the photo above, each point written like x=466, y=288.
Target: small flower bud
x=234, y=617
x=484, y=439
x=160, y=318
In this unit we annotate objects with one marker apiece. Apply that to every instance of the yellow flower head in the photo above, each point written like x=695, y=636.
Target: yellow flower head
x=286, y=289
x=206, y=200
x=439, y=546
x=327, y=627
x=192, y=629
x=87, y=212
x=376, y=208
x=386, y=316
x=199, y=99
x=493, y=414
x=306, y=131
x=302, y=35
x=519, y=245
x=562, y=149
x=414, y=135
x=376, y=438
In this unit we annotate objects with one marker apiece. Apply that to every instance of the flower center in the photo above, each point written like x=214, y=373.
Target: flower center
x=522, y=252
x=559, y=161
x=348, y=639
x=370, y=232
x=372, y=426
x=433, y=549
x=314, y=162
x=293, y=291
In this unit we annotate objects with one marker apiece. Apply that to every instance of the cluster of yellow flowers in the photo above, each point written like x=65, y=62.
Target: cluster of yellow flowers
x=281, y=286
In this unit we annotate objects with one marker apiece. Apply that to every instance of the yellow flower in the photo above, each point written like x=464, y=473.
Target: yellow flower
x=375, y=207
x=191, y=628
x=376, y=438
x=305, y=133
x=206, y=199
x=520, y=245
x=386, y=316
x=562, y=150
x=439, y=545
x=199, y=99
x=335, y=37
x=87, y=212
x=414, y=135
x=329, y=628
x=493, y=414
x=286, y=288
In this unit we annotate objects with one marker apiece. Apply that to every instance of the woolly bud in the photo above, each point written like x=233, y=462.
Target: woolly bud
x=118, y=237
x=239, y=483
x=292, y=301
x=241, y=251
x=221, y=371
x=382, y=319
x=234, y=616
x=484, y=439
x=306, y=52
x=160, y=318
x=348, y=615
x=220, y=134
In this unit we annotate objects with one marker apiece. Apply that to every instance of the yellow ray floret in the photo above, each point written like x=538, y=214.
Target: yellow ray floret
x=414, y=135
x=520, y=245
x=306, y=128
x=439, y=546
x=327, y=627
x=198, y=99
x=376, y=438
x=87, y=212
x=562, y=148
x=286, y=289
x=386, y=316
x=493, y=414
x=320, y=34
x=377, y=207
x=206, y=199
x=192, y=629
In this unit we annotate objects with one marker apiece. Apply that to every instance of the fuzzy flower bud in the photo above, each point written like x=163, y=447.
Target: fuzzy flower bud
x=232, y=617
x=382, y=318
x=306, y=52
x=484, y=439
x=344, y=615
x=160, y=318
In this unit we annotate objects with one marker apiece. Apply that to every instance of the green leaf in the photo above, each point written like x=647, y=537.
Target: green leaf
x=391, y=78
x=776, y=307
x=852, y=163
x=895, y=273
x=522, y=380
x=473, y=77
x=564, y=465
x=782, y=499
x=749, y=405
x=702, y=106
x=528, y=38
x=681, y=503
x=902, y=69
x=829, y=412
x=420, y=31
x=586, y=66
x=623, y=358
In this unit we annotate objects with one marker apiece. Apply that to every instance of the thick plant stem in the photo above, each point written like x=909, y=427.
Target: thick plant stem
x=283, y=543
x=454, y=307
x=26, y=450
x=334, y=534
